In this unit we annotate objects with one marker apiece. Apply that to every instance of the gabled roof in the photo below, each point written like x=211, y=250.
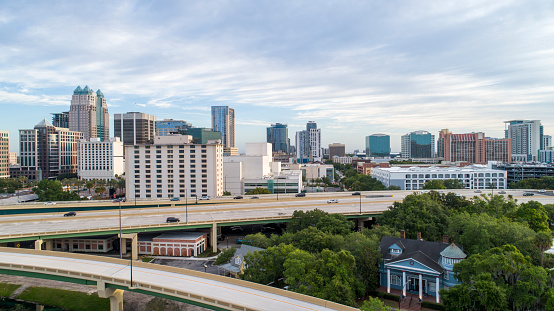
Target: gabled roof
x=430, y=249
x=99, y=94
x=419, y=257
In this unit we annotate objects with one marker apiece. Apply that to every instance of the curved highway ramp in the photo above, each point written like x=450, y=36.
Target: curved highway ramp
x=113, y=276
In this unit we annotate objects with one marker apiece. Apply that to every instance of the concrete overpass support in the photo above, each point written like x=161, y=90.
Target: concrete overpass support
x=48, y=245
x=361, y=222
x=115, y=296
x=213, y=237
x=38, y=245
x=134, y=244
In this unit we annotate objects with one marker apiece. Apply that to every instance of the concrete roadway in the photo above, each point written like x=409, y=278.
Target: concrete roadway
x=214, y=290
x=226, y=211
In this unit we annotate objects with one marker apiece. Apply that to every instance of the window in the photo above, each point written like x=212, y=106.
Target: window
x=395, y=251
x=446, y=275
x=395, y=280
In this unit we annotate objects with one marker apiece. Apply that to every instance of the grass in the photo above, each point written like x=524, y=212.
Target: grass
x=66, y=299
x=147, y=259
x=207, y=253
x=7, y=289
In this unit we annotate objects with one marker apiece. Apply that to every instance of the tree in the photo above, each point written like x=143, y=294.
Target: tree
x=121, y=184
x=453, y=184
x=89, y=185
x=534, y=214
x=266, y=266
x=225, y=256
x=259, y=190
x=543, y=241
x=366, y=252
x=100, y=190
x=374, y=304
x=225, y=193
x=481, y=295
x=434, y=184
x=51, y=190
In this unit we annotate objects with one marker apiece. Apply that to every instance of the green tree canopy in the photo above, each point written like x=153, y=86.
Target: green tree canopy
x=51, y=190
x=258, y=190
x=534, y=214
x=434, y=184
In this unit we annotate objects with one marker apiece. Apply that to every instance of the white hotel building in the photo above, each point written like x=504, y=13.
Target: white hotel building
x=413, y=178
x=173, y=167
x=100, y=159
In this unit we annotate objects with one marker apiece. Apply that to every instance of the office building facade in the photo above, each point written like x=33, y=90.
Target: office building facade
x=337, y=150
x=474, y=148
x=278, y=136
x=47, y=151
x=89, y=114
x=308, y=144
x=4, y=154
x=60, y=119
x=546, y=142
x=377, y=146
x=101, y=159
x=202, y=135
x=527, y=139
x=223, y=120
x=134, y=128
x=418, y=144
x=173, y=167
x=169, y=126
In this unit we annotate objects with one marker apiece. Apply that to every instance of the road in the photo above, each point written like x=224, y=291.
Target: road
x=219, y=211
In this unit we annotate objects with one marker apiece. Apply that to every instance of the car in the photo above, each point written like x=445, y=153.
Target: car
x=528, y=194
x=69, y=214
x=477, y=191
x=333, y=201
x=254, y=198
x=204, y=197
x=502, y=192
x=236, y=229
x=116, y=200
x=301, y=194
x=49, y=203
x=172, y=219
x=542, y=191
x=356, y=193
x=175, y=199
x=238, y=197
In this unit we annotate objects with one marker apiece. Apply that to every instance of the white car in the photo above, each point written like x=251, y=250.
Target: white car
x=204, y=197
x=542, y=191
x=333, y=201
x=49, y=203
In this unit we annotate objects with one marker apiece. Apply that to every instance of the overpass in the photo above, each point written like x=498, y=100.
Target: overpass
x=113, y=276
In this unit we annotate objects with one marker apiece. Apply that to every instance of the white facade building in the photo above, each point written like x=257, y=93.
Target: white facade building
x=256, y=168
x=413, y=178
x=546, y=142
x=173, y=167
x=312, y=171
x=100, y=159
x=526, y=138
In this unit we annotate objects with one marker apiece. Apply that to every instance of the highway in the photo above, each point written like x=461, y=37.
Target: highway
x=218, y=211
x=174, y=283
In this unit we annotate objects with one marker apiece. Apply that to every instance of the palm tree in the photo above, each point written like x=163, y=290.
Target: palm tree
x=543, y=241
x=89, y=185
x=112, y=183
x=121, y=184
x=100, y=189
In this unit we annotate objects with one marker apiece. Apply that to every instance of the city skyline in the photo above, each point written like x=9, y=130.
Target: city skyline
x=356, y=69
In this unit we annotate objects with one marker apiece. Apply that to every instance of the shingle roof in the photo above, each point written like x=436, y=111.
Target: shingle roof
x=454, y=252
x=419, y=257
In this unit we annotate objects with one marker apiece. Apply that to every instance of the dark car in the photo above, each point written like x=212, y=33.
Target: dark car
x=236, y=229
x=528, y=194
x=174, y=199
x=254, y=198
x=172, y=219
x=238, y=197
x=301, y=194
x=356, y=193
x=69, y=214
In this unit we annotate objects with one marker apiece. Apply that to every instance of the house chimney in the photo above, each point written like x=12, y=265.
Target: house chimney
x=445, y=238
x=402, y=234
x=419, y=235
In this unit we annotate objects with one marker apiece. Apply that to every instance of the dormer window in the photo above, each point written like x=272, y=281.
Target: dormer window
x=395, y=251
x=449, y=261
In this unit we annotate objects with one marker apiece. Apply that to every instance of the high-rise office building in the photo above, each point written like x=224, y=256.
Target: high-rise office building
x=223, y=120
x=278, y=136
x=60, y=119
x=337, y=150
x=101, y=159
x=473, y=148
x=48, y=151
x=4, y=154
x=377, y=145
x=89, y=114
x=418, y=144
x=546, y=142
x=201, y=135
x=527, y=139
x=168, y=126
x=308, y=144
x=134, y=128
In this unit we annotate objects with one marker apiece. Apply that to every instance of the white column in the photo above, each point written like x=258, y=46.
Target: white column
x=388, y=281
x=404, y=283
x=437, y=289
x=420, y=287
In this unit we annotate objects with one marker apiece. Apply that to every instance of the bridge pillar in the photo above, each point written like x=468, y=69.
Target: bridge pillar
x=115, y=296
x=3, y=244
x=38, y=245
x=48, y=245
x=361, y=222
x=134, y=244
x=213, y=237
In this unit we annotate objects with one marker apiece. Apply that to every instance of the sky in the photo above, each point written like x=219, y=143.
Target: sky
x=355, y=67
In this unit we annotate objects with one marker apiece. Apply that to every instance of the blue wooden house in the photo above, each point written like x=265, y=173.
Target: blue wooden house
x=417, y=266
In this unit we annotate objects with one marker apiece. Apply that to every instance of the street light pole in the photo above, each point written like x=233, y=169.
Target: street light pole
x=186, y=208
x=120, y=239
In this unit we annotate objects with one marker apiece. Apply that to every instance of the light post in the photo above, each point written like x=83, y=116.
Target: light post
x=205, y=267
x=120, y=238
x=357, y=189
x=186, y=208
x=131, y=259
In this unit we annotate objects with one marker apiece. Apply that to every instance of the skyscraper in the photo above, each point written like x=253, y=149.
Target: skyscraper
x=89, y=114
x=278, y=136
x=4, y=154
x=527, y=139
x=337, y=149
x=134, y=128
x=308, y=144
x=223, y=120
x=546, y=142
x=168, y=126
x=377, y=145
x=418, y=144
x=60, y=119
x=473, y=148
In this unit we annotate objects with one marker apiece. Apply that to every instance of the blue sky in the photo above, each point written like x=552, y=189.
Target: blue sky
x=355, y=67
